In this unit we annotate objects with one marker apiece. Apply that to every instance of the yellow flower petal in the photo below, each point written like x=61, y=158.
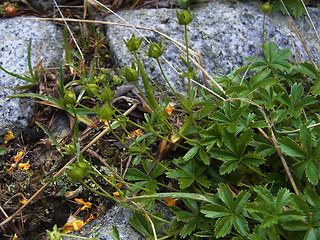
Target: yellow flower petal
x=73, y=226
x=9, y=136
x=116, y=194
x=19, y=155
x=170, y=201
x=169, y=109
x=15, y=237
x=25, y=166
x=22, y=200
x=86, y=206
x=79, y=200
x=10, y=169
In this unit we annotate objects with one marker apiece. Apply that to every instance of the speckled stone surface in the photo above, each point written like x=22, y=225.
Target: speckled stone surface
x=119, y=217
x=15, y=114
x=224, y=31
x=45, y=6
x=116, y=216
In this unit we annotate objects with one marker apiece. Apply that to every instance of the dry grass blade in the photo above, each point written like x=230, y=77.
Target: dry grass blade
x=73, y=38
x=310, y=19
x=273, y=139
x=156, y=31
x=57, y=174
x=298, y=34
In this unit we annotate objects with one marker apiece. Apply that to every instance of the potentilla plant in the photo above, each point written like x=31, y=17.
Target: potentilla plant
x=244, y=162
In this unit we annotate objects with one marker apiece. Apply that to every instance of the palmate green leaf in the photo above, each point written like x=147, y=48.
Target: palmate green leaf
x=310, y=167
x=265, y=195
x=204, y=156
x=252, y=159
x=315, y=89
x=295, y=7
x=240, y=224
x=313, y=171
x=290, y=147
x=312, y=196
x=191, y=153
x=223, y=226
x=308, y=69
x=269, y=220
x=215, y=211
x=306, y=139
x=228, y=166
x=276, y=59
x=290, y=215
x=222, y=154
x=184, y=179
x=261, y=80
x=230, y=140
x=282, y=198
x=189, y=227
x=241, y=201
x=296, y=226
x=226, y=196
x=244, y=139
x=296, y=94
x=189, y=173
x=134, y=174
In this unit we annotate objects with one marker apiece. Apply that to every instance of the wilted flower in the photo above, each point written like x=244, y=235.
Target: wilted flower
x=72, y=226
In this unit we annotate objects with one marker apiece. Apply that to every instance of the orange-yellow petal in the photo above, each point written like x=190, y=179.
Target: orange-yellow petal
x=116, y=194
x=19, y=155
x=119, y=184
x=25, y=166
x=72, y=226
x=15, y=237
x=10, y=169
x=9, y=136
x=79, y=200
x=169, y=109
x=86, y=206
x=22, y=200
x=170, y=201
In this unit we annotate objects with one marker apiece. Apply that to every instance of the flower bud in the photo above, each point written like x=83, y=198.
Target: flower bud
x=266, y=7
x=133, y=44
x=155, y=50
x=184, y=17
x=70, y=149
x=130, y=73
x=91, y=89
x=78, y=170
x=69, y=97
x=107, y=94
x=105, y=112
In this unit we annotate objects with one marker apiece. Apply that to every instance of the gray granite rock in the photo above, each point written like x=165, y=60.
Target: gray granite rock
x=224, y=31
x=14, y=39
x=45, y=6
x=119, y=217
x=116, y=216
